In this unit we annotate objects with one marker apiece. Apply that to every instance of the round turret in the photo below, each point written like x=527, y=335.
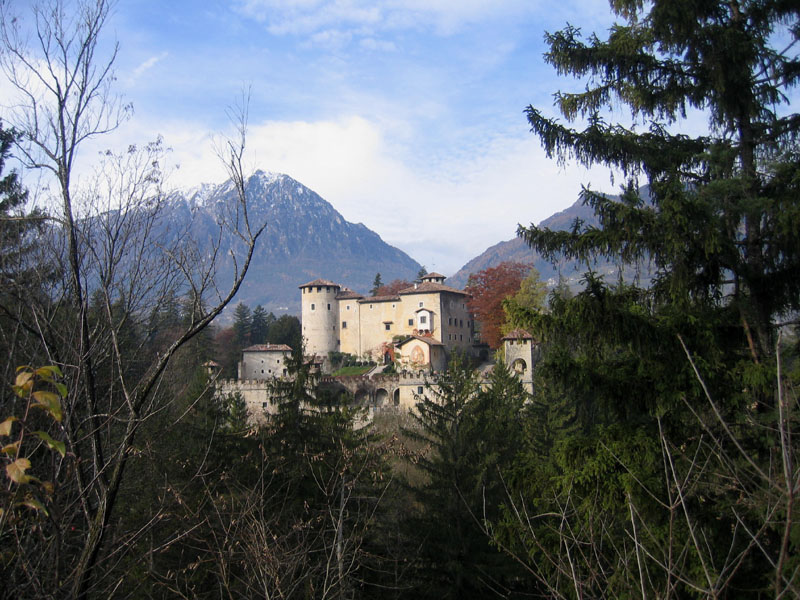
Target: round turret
x=320, y=317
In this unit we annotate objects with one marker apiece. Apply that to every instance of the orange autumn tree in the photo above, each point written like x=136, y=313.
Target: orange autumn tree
x=487, y=289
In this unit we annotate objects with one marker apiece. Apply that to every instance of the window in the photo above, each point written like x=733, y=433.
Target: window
x=394, y=306
x=344, y=324
x=460, y=338
x=420, y=304
x=312, y=306
x=265, y=405
x=334, y=327
x=329, y=306
x=388, y=326
x=419, y=389
x=327, y=289
x=449, y=320
x=423, y=319
x=348, y=307
x=370, y=306
x=461, y=321
x=411, y=322
x=319, y=289
x=449, y=337
x=278, y=361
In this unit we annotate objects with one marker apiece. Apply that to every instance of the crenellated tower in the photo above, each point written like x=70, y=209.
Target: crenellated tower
x=320, y=317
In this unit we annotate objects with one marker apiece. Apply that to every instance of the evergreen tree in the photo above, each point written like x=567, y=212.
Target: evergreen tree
x=327, y=470
x=242, y=325
x=421, y=273
x=286, y=330
x=471, y=435
x=22, y=272
x=376, y=284
x=632, y=436
x=261, y=322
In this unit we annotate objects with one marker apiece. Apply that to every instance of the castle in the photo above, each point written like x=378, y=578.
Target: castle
x=419, y=327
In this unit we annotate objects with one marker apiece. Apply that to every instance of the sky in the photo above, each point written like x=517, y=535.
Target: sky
x=406, y=115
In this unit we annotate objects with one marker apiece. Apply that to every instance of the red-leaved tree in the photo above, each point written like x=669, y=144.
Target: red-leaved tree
x=488, y=288
x=393, y=287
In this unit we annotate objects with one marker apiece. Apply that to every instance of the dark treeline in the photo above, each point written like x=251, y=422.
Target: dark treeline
x=656, y=457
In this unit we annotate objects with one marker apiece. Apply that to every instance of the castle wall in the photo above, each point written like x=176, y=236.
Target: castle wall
x=256, y=395
x=349, y=316
x=380, y=321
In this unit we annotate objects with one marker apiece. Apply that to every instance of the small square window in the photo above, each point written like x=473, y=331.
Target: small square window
x=419, y=389
x=423, y=319
x=265, y=405
x=312, y=306
x=411, y=322
x=348, y=307
x=344, y=324
x=420, y=304
x=388, y=326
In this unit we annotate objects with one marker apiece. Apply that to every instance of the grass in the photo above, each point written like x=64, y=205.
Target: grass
x=351, y=371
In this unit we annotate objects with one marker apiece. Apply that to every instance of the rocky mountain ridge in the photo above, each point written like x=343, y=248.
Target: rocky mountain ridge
x=304, y=238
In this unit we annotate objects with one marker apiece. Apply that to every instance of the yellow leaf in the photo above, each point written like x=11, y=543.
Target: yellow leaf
x=50, y=401
x=48, y=372
x=5, y=426
x=16, y=470
x=10, y=449
x=48, y=487
x=23, y=384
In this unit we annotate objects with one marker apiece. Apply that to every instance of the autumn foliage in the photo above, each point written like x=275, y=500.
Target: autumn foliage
x=393, y=287
x=488, y=288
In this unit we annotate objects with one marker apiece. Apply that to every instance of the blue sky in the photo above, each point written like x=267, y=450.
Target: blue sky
x=406, y=115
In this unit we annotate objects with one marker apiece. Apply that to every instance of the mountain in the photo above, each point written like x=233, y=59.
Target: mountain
x=305, y=238
x=518, y=251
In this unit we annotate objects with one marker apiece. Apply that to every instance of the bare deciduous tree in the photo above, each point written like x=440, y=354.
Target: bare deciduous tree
x=112, y=256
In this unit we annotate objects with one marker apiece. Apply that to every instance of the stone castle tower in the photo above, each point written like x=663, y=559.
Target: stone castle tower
x=320, y=317
x=521, y=352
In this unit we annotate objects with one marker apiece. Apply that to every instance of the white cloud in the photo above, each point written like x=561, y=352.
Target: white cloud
x=305, y=17
x=148, y=64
